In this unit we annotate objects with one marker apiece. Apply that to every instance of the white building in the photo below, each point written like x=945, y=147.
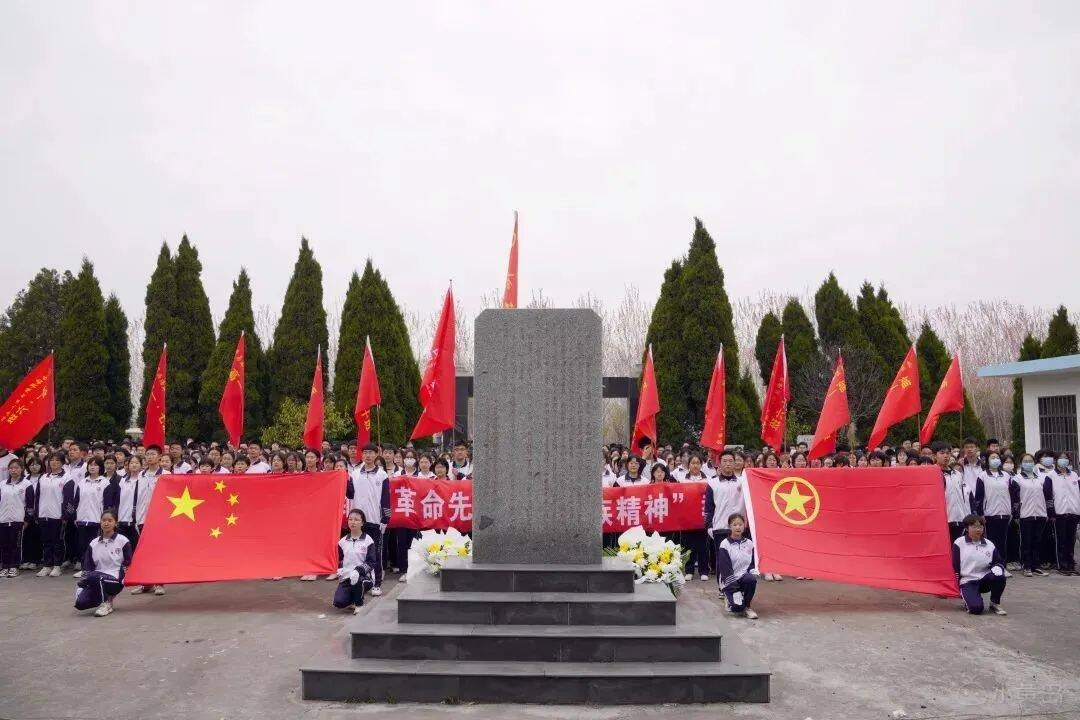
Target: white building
x=1051, y=392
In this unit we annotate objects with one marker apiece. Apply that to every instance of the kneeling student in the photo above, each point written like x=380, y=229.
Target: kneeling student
x=735, y=566
x=979, y=568
x=104, y=563
x=358, y=554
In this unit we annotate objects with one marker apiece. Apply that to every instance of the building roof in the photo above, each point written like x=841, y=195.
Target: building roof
x=1047, y=366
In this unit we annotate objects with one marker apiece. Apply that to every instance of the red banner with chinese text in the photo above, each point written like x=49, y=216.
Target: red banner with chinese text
x=429, y=504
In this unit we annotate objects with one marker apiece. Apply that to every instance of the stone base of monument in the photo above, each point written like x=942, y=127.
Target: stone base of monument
x=536, y=634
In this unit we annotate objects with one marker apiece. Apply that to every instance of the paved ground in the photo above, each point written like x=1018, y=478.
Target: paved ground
x=232, y=650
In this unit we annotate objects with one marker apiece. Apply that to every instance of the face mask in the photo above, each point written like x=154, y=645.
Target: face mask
x=1063, y=463
x=1008, y=467
x=1047, y=461
x=995, y=463
x=1027, y=466
x=409, y=462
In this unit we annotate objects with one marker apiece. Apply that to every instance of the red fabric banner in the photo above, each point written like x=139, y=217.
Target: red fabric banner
x=429, y=504
x=438, y=385
x=880, y=527
x=30, y=407
x=154, y=427
x=202, y=528
x=231, y=407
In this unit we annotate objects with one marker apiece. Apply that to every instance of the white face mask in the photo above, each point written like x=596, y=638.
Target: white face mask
x=410, y=462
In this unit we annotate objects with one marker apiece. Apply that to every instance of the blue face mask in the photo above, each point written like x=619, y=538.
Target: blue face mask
x=1047, y=461
x=995, y=463
x=1063, y=463
x=1027, y=466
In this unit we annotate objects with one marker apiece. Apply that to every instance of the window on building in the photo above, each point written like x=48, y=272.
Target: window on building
x=1057, y=424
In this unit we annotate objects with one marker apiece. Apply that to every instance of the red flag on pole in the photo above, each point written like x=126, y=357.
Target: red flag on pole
x=949, y=398
x=774, y=411
x=901, y=400
x=648, y=404
x=367, y=395
x=30, y=407
x=437, y=388
x=510, y=292
x=231, y=407
x=714, y=434
x=201, y=528
x=834, y=414
x=313, y=425
x=154, y=428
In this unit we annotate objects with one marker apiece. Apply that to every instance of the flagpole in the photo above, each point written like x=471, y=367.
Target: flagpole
x=378, y=425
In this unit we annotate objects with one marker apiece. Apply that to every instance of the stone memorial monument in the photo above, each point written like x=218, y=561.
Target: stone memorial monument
x=538, y=615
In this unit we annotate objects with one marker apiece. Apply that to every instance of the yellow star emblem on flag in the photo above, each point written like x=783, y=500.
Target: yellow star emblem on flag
x=185, y=504
x=795, y=500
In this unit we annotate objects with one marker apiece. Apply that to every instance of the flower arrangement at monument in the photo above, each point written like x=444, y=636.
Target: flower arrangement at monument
x=429, y=551
x=655, y=559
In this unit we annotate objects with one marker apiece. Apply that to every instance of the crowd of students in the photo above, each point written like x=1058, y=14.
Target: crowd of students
x=83, y=507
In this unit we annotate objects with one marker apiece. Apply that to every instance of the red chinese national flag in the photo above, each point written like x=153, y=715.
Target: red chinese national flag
x=154, y=428
x=901, y=400
x=202, y=528
x=231, y=407
x=880, y=527
x=313, y=425
x=774, y=411
x=713, y=435
x=949, y=398
x=437, y=388
x=367, y=395
x=30, y=407
x=834, y=414
x=648, y=404
x=510, y=292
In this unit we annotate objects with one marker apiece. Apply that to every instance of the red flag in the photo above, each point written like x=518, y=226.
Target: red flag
x=510, y=294
x=901, y=400
x=834, y=414
x=201, y=528
x=714, y=434
x=313, y=426
x=437, y=388
x=949, y=398
x=648, y=404
x=154, y=428
x=30, y=407
x=231, y=407
x=774, y=411
x=881, y=527
x=367, y=395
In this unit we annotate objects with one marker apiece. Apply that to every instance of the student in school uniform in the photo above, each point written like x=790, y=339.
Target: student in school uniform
x=735, y=568
x=660, y=474
x=104, y=563
x=993, y=500
x=225, y=463
x=256, y=464
x=368, y=490
x=1032, y=493
x=979, y=567
x=121, y=496
x=694, y=540
x=51, y=516
x=85, y=500
x=460, y=467
x=312, y=461
x=148, y=479
x=1065, y=499
x=241, y=466
x=358, y=553
x=635, y=473
x=957, y=500
x=723, y=498
x=31, y=536
x=16, y=506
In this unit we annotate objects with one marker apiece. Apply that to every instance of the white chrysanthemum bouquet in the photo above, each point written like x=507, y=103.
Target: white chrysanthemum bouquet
x=429, y=551
x=655, y=559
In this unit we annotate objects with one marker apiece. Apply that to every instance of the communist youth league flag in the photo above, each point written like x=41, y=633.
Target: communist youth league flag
x=201, y=528
x=30, y=407
x=949, y=398
x=510, y=292
x=367, y=395
x=834, y=414
x=313, y=425
x=714, y=435
x=881, y=527
x=901, y=400
x=648, y=405
x=774, y=410
x=437, y=388
x=154, y=427
x=231, y=407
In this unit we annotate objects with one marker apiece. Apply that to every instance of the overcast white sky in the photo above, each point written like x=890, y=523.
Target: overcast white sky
x=930, y=145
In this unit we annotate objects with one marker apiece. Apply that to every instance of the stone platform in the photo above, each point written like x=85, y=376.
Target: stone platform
x=535, y=634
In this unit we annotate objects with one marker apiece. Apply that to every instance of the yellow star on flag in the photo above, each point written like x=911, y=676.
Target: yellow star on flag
x=795, y=500
x=219, y=486
x=233, y=499
x=185, y=504
x=231, y=519
x=216, y=532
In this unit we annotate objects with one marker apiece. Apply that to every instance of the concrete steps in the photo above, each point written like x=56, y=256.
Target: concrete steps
x=611, y=576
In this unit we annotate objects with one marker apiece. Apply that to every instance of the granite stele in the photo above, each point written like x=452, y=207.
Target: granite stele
x=537, y=615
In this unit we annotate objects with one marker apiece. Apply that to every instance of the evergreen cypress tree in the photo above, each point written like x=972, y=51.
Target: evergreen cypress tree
x=299, y=332
x=768, y=338
x=1030, y=349
x=118, y=370
x=30, y=329
x=370, y=310
x=882, y=325
x=669, y=356
x=190, y=345
x=744, y=412
x=238, y=318
x=1061, y=336
x=805, y=364
x=934, y=361
x=82, y=360
x=158, y=323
